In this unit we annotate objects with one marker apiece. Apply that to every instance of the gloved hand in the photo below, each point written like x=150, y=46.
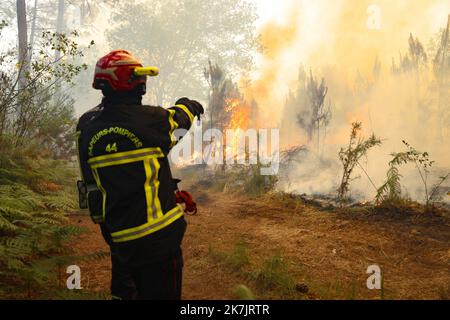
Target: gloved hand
x=194, y=106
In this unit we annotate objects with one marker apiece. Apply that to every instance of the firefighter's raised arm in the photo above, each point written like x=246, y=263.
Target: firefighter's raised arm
x=181, y=116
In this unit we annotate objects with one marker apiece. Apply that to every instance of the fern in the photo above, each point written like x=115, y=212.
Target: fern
x=20, y=197
x=11, y=213
x=391, y=190
x=59, y=203
x=33, y=226
x=6, y=225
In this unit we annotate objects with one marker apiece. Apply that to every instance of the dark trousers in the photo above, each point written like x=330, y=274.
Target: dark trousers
x=156, y=281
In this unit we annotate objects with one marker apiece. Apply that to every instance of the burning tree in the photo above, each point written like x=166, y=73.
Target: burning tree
x=222, y=92
x=313, y=114
x=227, y=108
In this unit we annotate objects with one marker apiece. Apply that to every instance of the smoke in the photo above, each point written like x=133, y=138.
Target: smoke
x=340, y=41
x=267, y=82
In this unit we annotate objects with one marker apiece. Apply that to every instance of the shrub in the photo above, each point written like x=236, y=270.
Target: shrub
x=357, y=148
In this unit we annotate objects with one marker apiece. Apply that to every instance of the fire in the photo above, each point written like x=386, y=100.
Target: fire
x=240, y=114
x=240, y=118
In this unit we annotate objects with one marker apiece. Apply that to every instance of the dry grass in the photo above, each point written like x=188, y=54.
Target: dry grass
x=327, y=251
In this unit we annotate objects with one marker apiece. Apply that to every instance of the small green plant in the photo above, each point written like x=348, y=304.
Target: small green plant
x=350, y=156
x=257, y=184
x=242, y=292
x=391, y=191
x=245, y=179
x=274, y=274
x=235, y=259
x=434, y=194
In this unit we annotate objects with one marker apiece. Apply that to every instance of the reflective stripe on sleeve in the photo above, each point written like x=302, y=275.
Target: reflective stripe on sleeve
x=187, y=111
x=173, y=127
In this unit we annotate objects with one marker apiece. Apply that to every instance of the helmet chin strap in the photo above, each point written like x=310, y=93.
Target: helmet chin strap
x=139, y=90
x=112, y=97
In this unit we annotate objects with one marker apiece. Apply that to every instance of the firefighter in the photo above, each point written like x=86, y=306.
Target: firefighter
x=127, y=184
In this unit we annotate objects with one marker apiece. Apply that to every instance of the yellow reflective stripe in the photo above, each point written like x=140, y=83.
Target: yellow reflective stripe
x=173, y=127
x=121, y=154
x=119, y=162
x=187, y=111
x=148, y=228
x=151, y=187
x=126, y=155
x=99, y=185
x=148, y=190
x=156, y=167
x=141, y=227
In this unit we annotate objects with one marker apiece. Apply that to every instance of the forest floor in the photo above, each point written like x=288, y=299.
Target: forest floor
x=237, y=240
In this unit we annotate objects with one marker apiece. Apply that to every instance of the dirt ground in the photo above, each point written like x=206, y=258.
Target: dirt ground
x=329, y=252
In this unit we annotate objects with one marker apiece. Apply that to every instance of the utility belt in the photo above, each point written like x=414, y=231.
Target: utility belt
x=90, y=197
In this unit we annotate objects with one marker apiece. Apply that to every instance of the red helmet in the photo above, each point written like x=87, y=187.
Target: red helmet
x=115, y=70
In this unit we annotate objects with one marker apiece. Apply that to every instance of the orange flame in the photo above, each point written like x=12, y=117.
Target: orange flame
x=240, y=114
x=240, y=119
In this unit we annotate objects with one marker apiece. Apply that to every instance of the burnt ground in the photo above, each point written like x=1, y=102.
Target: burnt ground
x=327, y=252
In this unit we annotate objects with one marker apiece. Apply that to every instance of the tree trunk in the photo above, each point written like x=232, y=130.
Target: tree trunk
x=23, y=42
x=83, y=12
x=60, y=26
x=22, y=59
x=33, y=31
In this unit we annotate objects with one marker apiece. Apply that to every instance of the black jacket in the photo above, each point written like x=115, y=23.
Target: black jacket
x=123, y=147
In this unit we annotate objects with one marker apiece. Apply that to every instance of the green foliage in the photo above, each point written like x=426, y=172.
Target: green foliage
x=63, y=68
x=244, y=179
x=256, y=184
x=235, y=259
x=38, y=109
x=434, y=194
x=242, y=292
x=391, y=190
x=274, y=274
x=36, y=187
x=35, y=196
x=270, y=275
x=350, y=156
